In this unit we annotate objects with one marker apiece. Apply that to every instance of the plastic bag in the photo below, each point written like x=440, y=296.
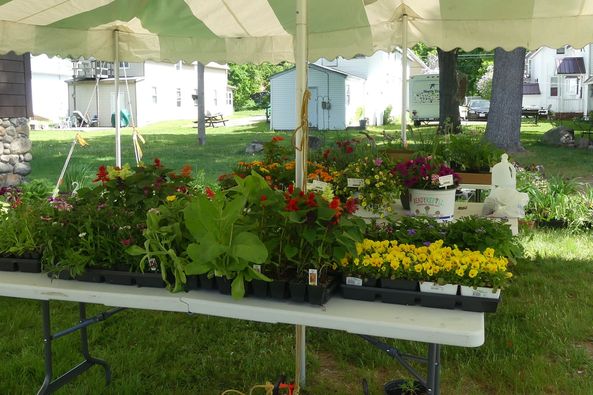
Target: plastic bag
x=505, y=202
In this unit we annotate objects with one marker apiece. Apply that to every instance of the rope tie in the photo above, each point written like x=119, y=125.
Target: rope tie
x=304, y=125
x=138, y=140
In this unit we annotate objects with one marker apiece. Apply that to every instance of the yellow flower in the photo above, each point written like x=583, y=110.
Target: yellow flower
x=473, y=273
x=418, y=268
x=171, y=198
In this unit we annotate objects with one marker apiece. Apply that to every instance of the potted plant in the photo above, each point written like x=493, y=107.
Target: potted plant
x=371, y=182
x=432, y=187
x=472, y=156
x=405, y=387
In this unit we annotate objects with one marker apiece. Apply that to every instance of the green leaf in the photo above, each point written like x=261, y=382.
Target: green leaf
x=205, y=252
x=195, y=267
x=201, y=217
x=249, y=247
x=238, y=287
x=135, y=250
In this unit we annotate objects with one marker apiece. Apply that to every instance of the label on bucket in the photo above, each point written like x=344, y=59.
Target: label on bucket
x=354, y=281
x=312, y=276
x=355, y=182
x=446, y=181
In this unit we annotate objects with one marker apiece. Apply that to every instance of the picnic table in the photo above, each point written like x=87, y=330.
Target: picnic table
x=533, y=113
x=214, y=119
x=432, y=326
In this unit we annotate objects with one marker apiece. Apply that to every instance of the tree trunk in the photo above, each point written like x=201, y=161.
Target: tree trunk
x=448, y=102
x=504, y=118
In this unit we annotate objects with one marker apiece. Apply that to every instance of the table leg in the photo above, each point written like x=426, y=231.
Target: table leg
x=50, y=385
x=301, y=357
x=434, y=368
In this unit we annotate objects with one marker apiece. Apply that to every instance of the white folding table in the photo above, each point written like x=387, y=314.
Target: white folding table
x=433, y=326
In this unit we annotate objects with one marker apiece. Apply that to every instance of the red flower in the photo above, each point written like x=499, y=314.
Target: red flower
x=157, y=163
x=290, y=188
x=277, y=138
x=172, y=175
x=351, y=206
x=326, y=153
x=335, y=203
x=209, y=192
x=349, y=149
x=126, y=242
x=263, y=198
x=102, y=175
x=292, y=205
x=311, y=200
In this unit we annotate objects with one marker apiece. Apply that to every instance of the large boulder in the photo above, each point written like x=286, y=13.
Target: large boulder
x=560, y=135
x=254, y=147
x=7, y=180
x=22, y=168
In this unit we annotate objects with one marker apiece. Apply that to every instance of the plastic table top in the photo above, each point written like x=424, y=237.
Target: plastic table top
x=416, y=323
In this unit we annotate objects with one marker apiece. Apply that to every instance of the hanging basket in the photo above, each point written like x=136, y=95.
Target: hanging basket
x=439, y=204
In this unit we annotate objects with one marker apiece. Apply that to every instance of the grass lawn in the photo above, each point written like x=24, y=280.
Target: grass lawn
x=540, y=341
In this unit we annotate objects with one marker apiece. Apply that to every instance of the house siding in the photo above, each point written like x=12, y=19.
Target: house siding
x=15, y=86
x=330, y=87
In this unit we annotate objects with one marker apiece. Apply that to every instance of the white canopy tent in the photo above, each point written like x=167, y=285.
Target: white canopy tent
x=275, y=30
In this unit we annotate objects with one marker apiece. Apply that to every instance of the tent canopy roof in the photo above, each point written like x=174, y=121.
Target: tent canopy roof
x=263, y=30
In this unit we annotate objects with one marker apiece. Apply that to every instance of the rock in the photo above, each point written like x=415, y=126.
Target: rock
x=10, y=179
x=27, y=157
x=8, y=139
x=6, y=145
x=22, y=168
x=254, y=147
x=10, y=131
x=6, y=151
x=2, y=131
x=5, y=123
x=20, y=145
x=23, y=129
x=314, y=142
x=13, y=159
x=4, y=158
x=560, y=135
x=5, y=168
x=582, y=142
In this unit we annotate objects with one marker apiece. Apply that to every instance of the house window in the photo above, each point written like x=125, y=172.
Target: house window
x=572, y=86
x=124, y=65
x=229, y=98
x=178, y=66
x=553, y=86
x=178, y=97
x=215, y=98
x=154, y=95
x=561, y=51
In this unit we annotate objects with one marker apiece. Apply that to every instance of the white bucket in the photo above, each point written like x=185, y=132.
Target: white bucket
x=439, y=204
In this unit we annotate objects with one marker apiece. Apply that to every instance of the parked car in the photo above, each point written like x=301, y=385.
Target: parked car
x=477, y=110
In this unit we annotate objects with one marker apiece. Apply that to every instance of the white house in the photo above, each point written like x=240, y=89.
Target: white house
x=149, y=91
x=559, y=80
x=362, y=87
x=48, y=87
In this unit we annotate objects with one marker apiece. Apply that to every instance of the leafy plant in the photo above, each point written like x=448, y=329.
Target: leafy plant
x=424, y=173
x=471, y=152
x=222, y=241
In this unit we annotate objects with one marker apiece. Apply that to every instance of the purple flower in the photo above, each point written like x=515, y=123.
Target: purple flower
x=427, y=243
x=378, y=162
x=411, y=232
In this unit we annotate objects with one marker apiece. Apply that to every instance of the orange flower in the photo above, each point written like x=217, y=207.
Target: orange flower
x=186, y=171
x=277, y=138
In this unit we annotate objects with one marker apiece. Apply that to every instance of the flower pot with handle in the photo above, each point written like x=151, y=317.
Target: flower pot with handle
x=439, y=204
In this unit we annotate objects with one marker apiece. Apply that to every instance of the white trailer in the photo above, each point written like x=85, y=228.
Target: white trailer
x=424, y=98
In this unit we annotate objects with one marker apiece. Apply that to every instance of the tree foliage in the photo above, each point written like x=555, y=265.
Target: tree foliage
x=484, y=84
x=250, y=79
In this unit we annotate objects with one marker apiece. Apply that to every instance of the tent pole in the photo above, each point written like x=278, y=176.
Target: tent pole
x=117, y=103
x=301, y=145
x=300, y=56
x=404, y=115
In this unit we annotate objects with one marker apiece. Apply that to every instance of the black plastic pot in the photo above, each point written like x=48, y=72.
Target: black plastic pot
x=28, y=263
x=192, y=282
x=359, y=293
x=150, y=280
x=260, y=288
x=206, y=282
x=394, y=387
x=91, y=276
x=119, y=277
x=278, y=289
x=399, y=296
x=298, y=291
x=224, y=285
x=8, y=265
x=485, y=305
x=437, y=300
x=406, y=285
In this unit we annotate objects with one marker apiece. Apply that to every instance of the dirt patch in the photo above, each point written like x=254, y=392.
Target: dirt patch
x=587, y=346
x=336, y=376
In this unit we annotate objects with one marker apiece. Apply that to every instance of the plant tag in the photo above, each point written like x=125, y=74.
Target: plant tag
x=354, y=281
x=355, y=182
x=317, y=185
x=152, y=264
x=446, y=181
x=257, y=268
x=312, y=276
